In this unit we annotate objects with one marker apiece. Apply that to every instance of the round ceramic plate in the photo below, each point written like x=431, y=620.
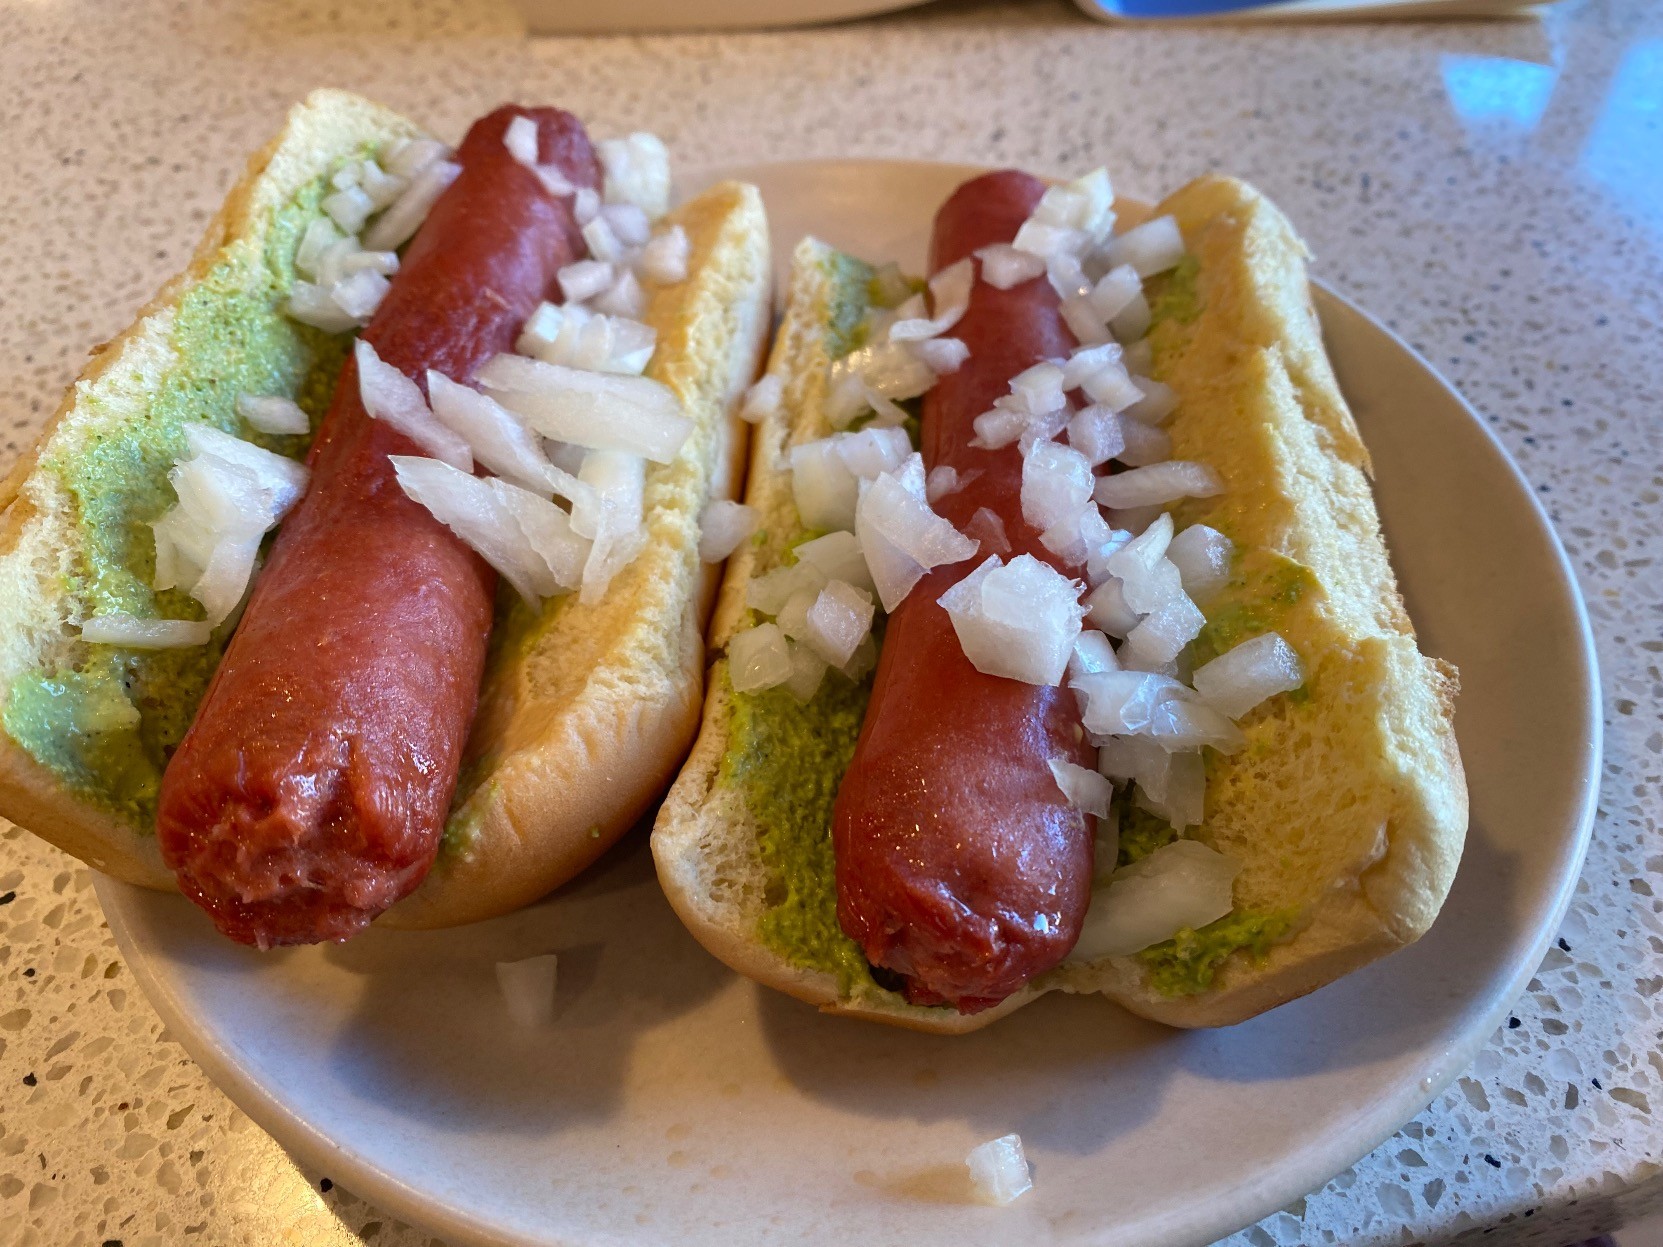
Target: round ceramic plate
x=672, y=1102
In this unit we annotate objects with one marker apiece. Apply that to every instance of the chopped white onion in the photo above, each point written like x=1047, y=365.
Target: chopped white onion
x=762, y=399
x=406, y=158
x=826, y=474
x=758, y=658
x=625, y=298
x=495, y=438
x=132, y=633
x=1139, y=358
x=1202, y=557
x=1184, y=724
x=941, y=481
x=359, y=293
x=273, y=414
x=723, y=525
x=999, y=1170
x=1003, y=266
x=585, y=279
x=528, y=985
x=1087, y=360
x=1124, y=703
x=1056, y=483
x=1017, y=620
x=1139, y=559
x=1067, y=278
x=1150, y=248
x=1240, y=678
x=1083, y=321
x=618, y=478
x=1097, y=434
x=1112, y=386
x=349, y=208
x=1145, y=444
x=398, y=224
x=1097, y=562
x=663, y=260
x=315, y=305
x=520, y=138
x=1085, y=789
x=771, y=592
x=1132, y=321
x=1092, y=654
x=1163, y=633
x=837, y=621
x=808, y=669
x=1158, y=484
x=1158, y=403
x=392, y=397
x=941, y=355
x=987, y=530
x=836, y=556
x=320, y=237
x=1116, y=291
x=1180, y=885
x=1106, y=607
x=950, y=291
x=1039, y=389
x=998, y=428
x=637, y=172
x=571, y=335
x=892, y=518
x=600, y=411
x=629, y=223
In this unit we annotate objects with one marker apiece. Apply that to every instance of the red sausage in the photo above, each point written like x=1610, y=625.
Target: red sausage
x=959, y=862
x=312, y=789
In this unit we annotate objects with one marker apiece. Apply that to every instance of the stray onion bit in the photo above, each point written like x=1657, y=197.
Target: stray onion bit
x=133, y=633
x=999, y=1170
x=528, y=985
x=762, y=399
x=723, y=525
x=273, y=414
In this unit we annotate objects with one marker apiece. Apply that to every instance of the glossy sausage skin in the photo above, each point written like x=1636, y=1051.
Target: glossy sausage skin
x=960, y=865
x=313, y=787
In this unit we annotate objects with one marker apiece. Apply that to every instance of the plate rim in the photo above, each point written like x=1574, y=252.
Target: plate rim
x=1282, y=1180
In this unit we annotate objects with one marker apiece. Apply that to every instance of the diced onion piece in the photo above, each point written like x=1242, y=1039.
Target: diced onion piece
x=1085, y=789
x=1017, y=620
x=1111, y=386
x=998, y=428
x=273, y=414
x=950, y=292
x=314, y=305
x=319, y=237
x=1180, y=885
x=407, y=157
x=808, y=669
x=770, y=593
x=1136, y=560
x=586, y=203
x=599, y=411
x=520, y=138
x=625, y=298
x=1115, y=291
x=825, y=474
x=1144, y=444
x=1163, y=633
x=1083, y=321
x=349, y=208
x=1132, y=321
x=893, y=369
x=1097, y=434
x=495, y=438
x=663, y=260
x=1043, y=240
x=1202, y=557
x=618, y=478
x=941, y=481
x=1124, y=703
x=1087, y=360
x=391, y=396
x=723, y=525
x=637, y=172
x=999, y=1170
x=941, y=355
x=987, y=530
x=481, y=517
x=836, y=556
x=1056, y=483
x=1092, y=654
x=399, y=223
x=528, y=985
x=1184, y=724
x=837, y=621
x=360, y=293
x=1067, y=278
x=1158, y=484
x=549, y=529
x=891, y=509
x=1242, y=677
x=132, y=633
x=758, y=658
x=1150, y=248
x=1139, y=358
x=1106, y=607
x=762, y=399
x=585, y=279
x=281, y=479
x=865, y=658
x=1183, y=790
x=629, y=223
x=381, y=263
x=1097, y=562
x=1003, y=266
x=1158, y=403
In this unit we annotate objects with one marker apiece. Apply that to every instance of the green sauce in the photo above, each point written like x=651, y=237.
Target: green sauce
x=1263, y=588
x=231, y=338
x=1141, y=833
x=1187, y=963
x=1177, y=294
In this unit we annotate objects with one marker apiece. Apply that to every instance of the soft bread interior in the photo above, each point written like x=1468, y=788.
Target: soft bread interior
x=1348, y=809
x=42, y=547
x=586, y=714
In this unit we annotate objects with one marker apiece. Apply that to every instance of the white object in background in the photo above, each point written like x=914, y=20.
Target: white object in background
x=572, y=17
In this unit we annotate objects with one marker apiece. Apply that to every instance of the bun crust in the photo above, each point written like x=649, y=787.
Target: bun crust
x=1350, y=823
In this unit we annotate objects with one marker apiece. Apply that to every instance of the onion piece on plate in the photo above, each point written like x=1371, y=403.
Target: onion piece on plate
x=528, y=985
x=999, y=1171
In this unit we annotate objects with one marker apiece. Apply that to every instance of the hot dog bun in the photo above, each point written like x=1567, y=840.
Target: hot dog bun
x=1347, y=809
x=585, y=712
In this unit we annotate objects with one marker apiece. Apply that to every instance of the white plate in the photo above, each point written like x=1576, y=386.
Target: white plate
x=576, y=17
x=675, y=1103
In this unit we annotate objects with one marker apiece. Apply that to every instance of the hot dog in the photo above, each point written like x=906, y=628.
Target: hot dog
x=1097, y=551
x=551, y=363
x=314, y=825
x=959, y=862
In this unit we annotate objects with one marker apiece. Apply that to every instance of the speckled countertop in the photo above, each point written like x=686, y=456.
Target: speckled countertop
x=1494, y=192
